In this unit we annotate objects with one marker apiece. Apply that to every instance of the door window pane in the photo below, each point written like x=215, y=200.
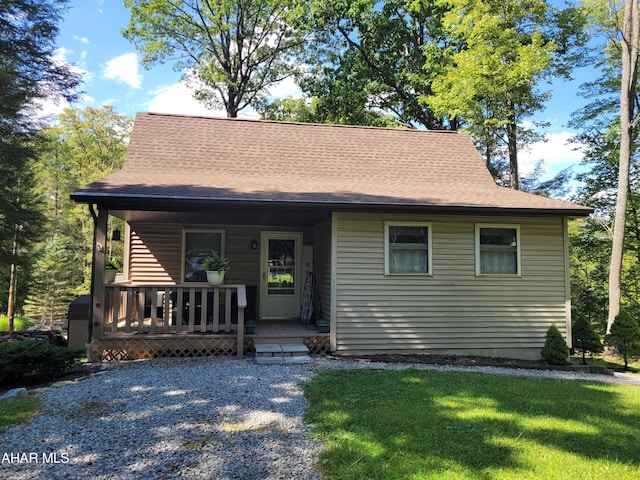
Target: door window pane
x=282, y=267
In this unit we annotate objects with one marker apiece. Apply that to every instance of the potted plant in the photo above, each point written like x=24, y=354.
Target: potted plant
x=323, y=325
x=111, y=268
x=215, y=266
x=250, y=326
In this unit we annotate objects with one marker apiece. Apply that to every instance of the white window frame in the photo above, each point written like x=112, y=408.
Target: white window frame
x=387, y=253
x=505, y=226
x=185, y=232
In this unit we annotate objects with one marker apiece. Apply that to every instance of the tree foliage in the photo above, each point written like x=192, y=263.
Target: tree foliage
x=599, y=125
x=624, y=337
x=28, y=74
x=585, y=339
x=493, y=84
x=54, y=282
x=82, y=146
x=231, y=51
x=371, y=55
x=555, y=350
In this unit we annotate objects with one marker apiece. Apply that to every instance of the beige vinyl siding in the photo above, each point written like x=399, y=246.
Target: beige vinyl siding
x=454, y=310
x=156, y=253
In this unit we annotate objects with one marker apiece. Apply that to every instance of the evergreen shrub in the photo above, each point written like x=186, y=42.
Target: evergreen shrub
x=555, y=351
x=34, y=358
x=624, y=337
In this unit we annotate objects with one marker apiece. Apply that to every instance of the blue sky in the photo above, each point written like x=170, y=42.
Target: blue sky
x=90, y=38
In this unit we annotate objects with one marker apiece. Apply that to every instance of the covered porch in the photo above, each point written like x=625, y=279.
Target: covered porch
x=159, y=306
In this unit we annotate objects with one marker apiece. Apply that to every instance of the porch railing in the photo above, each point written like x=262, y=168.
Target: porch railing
x=174, y=309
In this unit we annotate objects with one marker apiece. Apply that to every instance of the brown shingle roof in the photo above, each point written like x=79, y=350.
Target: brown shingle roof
x=199, y=158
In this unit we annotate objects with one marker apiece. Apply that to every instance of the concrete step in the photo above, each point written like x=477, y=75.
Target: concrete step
x=281, y=353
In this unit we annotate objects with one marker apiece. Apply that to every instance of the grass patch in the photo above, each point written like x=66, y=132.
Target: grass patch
x=17, y=410
x=19, y=323
x=411, y=424
x=609, y=361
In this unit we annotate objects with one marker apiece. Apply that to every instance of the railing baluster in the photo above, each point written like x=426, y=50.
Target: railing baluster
x=192, y=309
x=227, y=310
x=128, y=308
x=204, y=295
x=166, y=310
x=179, y=309
x=216, y=309
x=115, y=309
x=154, y=309
x=141, y=302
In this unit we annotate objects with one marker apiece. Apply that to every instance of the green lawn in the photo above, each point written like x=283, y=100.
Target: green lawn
x=411, y=424
x=16, y=410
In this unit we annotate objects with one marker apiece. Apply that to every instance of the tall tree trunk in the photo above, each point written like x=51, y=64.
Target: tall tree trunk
x=13, y=281
x=513, y=149
x=630, y=36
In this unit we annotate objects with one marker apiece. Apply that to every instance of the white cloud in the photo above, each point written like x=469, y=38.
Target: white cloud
x=285, y=88
x=124, y=69
x=178, y=99
x=80, y=39
x=557, y=153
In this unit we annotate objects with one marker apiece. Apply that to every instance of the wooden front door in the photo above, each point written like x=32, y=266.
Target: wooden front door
x=281, y=272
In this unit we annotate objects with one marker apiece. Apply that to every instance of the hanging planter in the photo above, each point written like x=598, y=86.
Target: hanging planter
x=215, y=277
x=215, y=266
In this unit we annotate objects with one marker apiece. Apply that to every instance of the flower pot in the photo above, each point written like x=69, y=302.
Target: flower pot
x=250, y=328
x=323, y=328
x=215, y=278
x=110, y=275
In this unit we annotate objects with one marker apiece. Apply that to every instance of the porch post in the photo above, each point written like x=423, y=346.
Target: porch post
x=99, y=251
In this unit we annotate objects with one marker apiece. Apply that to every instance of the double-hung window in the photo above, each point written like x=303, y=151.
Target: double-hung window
x=497, y=249
x=196, y=246
x=407, y=248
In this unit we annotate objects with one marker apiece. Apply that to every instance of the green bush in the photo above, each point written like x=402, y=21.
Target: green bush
x=555, y=351
x=585, y=339
x=624, y=337
x=34, y=358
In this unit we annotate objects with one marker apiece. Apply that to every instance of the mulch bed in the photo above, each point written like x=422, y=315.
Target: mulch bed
x=476, y=361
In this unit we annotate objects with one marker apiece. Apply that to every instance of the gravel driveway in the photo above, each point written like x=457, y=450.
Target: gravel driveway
x=199, y=418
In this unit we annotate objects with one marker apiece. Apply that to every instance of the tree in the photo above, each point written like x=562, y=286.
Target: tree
x=492, y=83
x=370, y=56
x=53, y=288
x=82, y=146
x=318, y=110
x=231, y=51
x=555, y=350
x=585, y=339
x=628, y=106
x=28, y=73
x=625, y=337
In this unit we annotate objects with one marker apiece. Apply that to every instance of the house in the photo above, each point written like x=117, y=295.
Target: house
x=412, y=245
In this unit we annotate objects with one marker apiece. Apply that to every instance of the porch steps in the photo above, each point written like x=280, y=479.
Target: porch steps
x=282, y=353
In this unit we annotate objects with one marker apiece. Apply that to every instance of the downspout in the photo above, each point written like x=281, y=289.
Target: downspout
x=92, y=211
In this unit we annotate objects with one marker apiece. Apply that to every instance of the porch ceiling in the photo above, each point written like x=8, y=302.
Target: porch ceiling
x=229, y=215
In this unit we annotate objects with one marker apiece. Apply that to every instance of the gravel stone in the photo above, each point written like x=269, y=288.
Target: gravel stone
x=218, y=418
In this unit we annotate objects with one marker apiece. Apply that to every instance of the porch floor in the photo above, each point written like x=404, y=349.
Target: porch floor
x=273, y=329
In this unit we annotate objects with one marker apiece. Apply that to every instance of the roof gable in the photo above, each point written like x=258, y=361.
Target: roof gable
x=185, y=157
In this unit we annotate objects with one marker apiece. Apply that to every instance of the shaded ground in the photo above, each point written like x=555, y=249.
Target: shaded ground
x=477, y=361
